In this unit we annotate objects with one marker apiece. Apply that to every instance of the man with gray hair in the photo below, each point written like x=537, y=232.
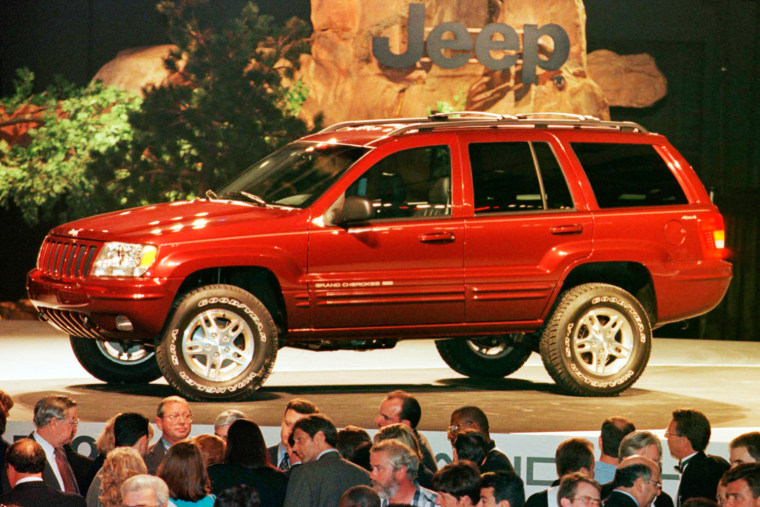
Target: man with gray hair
x=175, y=420
x=141, y=490
x=56, y=422
x=394, y=469
x=224, y=421
x=637, y=483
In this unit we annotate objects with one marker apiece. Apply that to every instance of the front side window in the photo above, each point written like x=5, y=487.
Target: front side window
x=413, y=183
x=623, y=175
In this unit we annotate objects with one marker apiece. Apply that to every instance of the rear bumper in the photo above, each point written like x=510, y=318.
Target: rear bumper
x=689, y=290
x=89, y=308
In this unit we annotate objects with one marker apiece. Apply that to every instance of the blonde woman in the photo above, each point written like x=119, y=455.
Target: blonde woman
x=121, y=464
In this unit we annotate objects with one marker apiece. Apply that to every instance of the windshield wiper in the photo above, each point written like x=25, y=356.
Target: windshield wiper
x=210, y=194
x=247, y=195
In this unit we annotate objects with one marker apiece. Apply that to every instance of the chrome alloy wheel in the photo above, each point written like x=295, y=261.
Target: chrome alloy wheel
x=493, y=346
x=218, y=345
x=124, y=353
x=603, y=341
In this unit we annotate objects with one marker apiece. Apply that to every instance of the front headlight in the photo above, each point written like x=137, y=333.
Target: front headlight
x=124, y=259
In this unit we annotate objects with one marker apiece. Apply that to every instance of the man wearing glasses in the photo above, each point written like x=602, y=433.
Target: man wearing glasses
x=578, y=489
x=637, y=483
x=55, y=422
x=175, y=420
x=474, y=418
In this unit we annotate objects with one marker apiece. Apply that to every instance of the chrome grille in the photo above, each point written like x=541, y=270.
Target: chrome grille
x=71, y=323
x=67, y=257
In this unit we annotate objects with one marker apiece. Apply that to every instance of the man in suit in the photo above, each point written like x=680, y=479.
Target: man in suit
x=224, y=421
x=688, y=435
x=324, y=475
x=56, y=422
x=743, y=485
x=744, y=449
x=458, y=484
x=141, y=490
x=646, y=444
x=613, y=431
x=636, y=484
x=572, y=455
x=26, y=461
x=501, y=489
x=577, y=489
x=175, y=420
x=473, y=417
x=296, y=409
x=401, y=407
x=394, y=472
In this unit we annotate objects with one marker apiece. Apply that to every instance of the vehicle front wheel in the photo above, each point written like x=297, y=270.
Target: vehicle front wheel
x=221, y=344
x=115, y=362
x=493, y=356
x=597, y=341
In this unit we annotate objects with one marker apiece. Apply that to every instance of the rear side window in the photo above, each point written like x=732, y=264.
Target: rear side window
x=517, y=176
x=624, y=175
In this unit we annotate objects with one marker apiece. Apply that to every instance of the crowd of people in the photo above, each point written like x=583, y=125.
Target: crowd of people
x=315, y=464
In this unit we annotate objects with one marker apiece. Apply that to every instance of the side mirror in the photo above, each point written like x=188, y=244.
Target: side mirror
x=355, y=210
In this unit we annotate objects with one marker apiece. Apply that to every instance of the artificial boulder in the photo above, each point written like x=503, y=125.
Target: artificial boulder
x=627, y=80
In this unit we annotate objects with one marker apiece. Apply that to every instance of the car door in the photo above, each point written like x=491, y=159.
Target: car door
x=403, y=267
x=523, y=226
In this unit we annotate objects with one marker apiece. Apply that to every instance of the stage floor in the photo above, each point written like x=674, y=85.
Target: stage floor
x=719, y=378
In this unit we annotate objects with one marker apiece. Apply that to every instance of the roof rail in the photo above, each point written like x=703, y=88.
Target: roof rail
x=486, y=119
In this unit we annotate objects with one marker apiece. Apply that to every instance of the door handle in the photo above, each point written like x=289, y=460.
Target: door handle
x=567, y=229
x=437, y=237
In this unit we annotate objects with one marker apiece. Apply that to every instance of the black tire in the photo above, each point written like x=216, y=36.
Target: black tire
x=238, y=329
x=494, y=356
x=597, y=341
x=115, y=362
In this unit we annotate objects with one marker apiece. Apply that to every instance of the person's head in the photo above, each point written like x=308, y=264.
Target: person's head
x=745, y=449
x=466, y=418
x=296, y=409
x=688, y=432
x=353, y=444
x=3, y=422
x=457, y=484
x=241, y=495
x=106, y=441
x=470, y=445
x=639, y=477
x=245, y=445
x=223, y=421
x=212, y=448
x=399, y=407
x=575, y=455
x=131, y=429
x=402, y=433
x=577, y=489
x=174, y=418
x=56, y=420
x=393, y=465
x=25, y=458
x=720, y=492
x=360, y=496
x=743, y=485
x=120, y=464
x=313, y=435
x=699, y=502
x=144, y=489
x=642, y=443
x=613, y=431
x=184, y=472
x=6, y=403
x=501, y=489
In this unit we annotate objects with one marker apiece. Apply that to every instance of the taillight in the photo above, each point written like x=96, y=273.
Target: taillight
x=713, y=234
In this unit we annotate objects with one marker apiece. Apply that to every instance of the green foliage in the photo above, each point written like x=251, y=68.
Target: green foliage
x=230, y=110
x=46, y=178
x=442, y=106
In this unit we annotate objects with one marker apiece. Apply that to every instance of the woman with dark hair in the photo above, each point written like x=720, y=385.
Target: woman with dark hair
x=182, y=469
x=246, y=462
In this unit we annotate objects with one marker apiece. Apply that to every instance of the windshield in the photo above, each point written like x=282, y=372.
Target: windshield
x=294, y=175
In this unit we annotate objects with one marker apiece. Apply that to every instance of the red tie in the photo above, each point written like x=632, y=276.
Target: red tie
x=69, y=486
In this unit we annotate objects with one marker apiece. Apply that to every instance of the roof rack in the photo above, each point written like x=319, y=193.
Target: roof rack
x=486, y=119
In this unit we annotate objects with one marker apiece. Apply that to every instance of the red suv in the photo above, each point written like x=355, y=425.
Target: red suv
x=497, y=236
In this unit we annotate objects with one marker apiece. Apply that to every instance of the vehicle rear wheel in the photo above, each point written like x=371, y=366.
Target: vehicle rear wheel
x=116, y=362
x=221, y=344
x=597, y=341
x=493, y=356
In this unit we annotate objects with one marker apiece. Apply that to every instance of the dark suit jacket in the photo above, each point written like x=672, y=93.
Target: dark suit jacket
x=79, y=464
x=272, y=453
x=37, y=494
x=663, y=500
x=540, y=499
x=701, y=477
x=322, y=482
x=619, y=499
x=271, y=483
x=4, y=484
x=496, y=460
x=154, y=457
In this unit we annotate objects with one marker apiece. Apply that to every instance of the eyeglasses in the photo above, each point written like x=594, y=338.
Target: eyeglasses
x=73, y=422
x=657, y=484
x=179, y=417
x=587, y=500
x=453, y=428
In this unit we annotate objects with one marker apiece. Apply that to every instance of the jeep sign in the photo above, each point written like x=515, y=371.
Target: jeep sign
x=484, y=44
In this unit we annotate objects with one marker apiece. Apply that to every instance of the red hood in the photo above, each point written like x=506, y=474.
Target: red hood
x=160, y=223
